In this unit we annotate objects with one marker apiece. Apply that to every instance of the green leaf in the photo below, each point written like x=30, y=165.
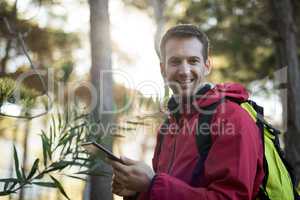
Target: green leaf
x=59, y=165
x=59, y=121
x=93, y=173
x=6, y=186
x=47, y=144
x=51, y=134
x=66, y=120
x=45, y=184
x=74, y=163
x=23, y=173
x=12, y=186
x=76, y=177
x=9, y=180
x=4, y=193
x=54, y=126
x=40, y=176
x=64, y=138
x=44, y=150
x=17, y=167
x=33, y=169
x=59, y=186
x=81, y=116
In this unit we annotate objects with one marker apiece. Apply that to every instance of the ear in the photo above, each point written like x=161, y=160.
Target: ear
x=163, y=69
x=208, y=66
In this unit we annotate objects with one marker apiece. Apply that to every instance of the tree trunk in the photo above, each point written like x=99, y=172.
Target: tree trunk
x=5, y=58
x=101, y=78
x=287, y=48
x=25, y=154
x=14, y=141
x=158, y=8
x=159, y=15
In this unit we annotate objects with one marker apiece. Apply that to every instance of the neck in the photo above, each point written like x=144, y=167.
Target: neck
x=186, y=99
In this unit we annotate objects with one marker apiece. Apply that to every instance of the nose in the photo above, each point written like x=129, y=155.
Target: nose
x=184, y=69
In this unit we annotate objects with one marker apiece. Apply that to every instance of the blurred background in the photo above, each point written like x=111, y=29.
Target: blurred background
x=99, y=56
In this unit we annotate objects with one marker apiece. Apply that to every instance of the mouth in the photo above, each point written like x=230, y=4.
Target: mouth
x=185, y=83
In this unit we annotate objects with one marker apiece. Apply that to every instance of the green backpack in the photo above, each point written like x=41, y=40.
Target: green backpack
x=278, y=183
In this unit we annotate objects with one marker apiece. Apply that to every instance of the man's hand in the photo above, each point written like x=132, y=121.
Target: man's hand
x=133, y=176
x=118, y=189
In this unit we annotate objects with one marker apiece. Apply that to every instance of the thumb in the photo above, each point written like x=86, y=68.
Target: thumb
x=128, y=161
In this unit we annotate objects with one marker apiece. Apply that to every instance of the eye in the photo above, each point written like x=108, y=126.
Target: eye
x=193, y=61
x=174, y=61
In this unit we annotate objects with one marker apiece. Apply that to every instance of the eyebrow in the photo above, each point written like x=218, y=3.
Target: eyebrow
x=195, y=57
x=180, y=57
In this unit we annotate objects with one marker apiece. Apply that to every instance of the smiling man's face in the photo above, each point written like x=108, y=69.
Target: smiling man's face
x=184, y=67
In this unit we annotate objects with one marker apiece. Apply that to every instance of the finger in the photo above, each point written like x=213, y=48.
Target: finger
x=117, y=181
x=117, y=190
x=125, y=172
x=120, y=178
x=128, y=161
x=117, y=186
x=119, y=167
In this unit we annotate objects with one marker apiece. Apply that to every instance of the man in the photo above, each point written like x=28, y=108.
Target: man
x=233, y=168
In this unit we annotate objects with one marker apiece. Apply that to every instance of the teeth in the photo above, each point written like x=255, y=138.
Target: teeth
x=186, y=81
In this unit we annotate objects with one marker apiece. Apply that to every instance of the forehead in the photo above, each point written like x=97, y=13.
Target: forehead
x=183, y=47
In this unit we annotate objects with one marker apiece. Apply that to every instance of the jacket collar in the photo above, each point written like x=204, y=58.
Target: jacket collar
x=175, y=106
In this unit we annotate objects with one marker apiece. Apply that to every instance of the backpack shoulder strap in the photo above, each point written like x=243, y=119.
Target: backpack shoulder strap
x=203, y=136
x=203, y=139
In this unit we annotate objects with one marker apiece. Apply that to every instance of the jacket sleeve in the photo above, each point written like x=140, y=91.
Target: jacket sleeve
x=232, y=165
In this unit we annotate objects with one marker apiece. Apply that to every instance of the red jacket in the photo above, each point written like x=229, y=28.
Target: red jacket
x=233, y=169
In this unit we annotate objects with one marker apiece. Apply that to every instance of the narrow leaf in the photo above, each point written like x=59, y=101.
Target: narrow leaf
x=45, y=184
x=44, y=150
x=76, y=177
x=47, y=145
x=54, y=126
x=17, y=167
x=12, y=186
x=51, y=134
x=6, y=186
x=59, y=165
x=33, y=169
x=9, y=180
x=59, y=186
x=5, y=193
x=23, y=173
x=59, y=121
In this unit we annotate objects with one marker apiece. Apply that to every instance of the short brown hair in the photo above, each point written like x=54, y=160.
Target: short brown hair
x=185, y=31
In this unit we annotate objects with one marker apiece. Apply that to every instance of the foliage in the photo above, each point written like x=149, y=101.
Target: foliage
x=9, y=89
x=241, y=34
x=54, y=44
x=61, y=150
